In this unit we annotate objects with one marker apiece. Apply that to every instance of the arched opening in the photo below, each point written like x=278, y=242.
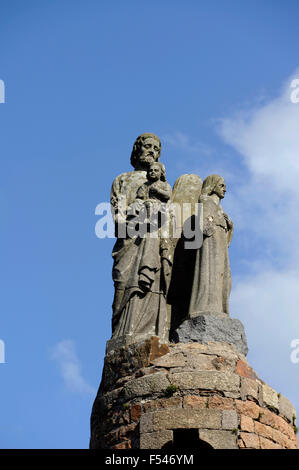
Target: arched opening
x=186, y=439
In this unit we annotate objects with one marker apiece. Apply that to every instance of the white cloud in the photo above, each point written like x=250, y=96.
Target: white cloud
x=65, y=355
x=266, y=138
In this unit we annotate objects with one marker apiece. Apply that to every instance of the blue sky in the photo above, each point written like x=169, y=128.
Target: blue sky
x=82, y=80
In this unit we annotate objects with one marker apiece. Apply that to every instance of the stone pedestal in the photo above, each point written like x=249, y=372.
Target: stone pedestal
x=158, y=396
x=212, y=327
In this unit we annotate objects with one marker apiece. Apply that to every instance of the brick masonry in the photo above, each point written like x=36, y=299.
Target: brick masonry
x=148, y=391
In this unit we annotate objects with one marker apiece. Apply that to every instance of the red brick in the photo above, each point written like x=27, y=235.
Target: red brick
x=248, y=408
x=250, y=440
x=135, y=412
x=263, y=430
x=221, y=403
x=247, y=423
x=267, y=444
x=269, y=418
x=281, y=439
x=193, y=401
x=157, y=349
x=285, y=428
x=245, y=370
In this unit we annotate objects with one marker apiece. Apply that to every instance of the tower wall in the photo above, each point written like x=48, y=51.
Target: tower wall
x=153, y=395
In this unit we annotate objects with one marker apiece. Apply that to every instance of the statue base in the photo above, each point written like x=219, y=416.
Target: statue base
x=208, y=327
x=190, y=396
x=122, y=341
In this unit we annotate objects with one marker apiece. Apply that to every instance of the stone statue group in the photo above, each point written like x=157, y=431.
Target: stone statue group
x=158, y=281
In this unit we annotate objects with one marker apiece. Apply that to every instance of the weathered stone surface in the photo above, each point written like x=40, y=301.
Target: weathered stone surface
x=127, y=432
x=170, y=360
x=263, y=430
x=206, y=380
x=135, y=412
x=160, y=403
x=246, y=423
x=155, y=440
x=282, y=440
x=232, y=394
x=201, y=361
x=248, y=408
x=146, y=385
x=123, y=445
x=269, y=418
x=222, y=403
x=146, y=423
x=134, y=315
x=224, y=363
x=219, y=439
x=245, y=370
x=193, y=401
x=268, y=444
x=229, y=420
x=249, y=389
x=212, y=327
x=285, y=428
x=209, y=294
x=123, y=362
x=182, y=418
x=214, y=400
x=250, y=440
x=269, y=396
x=286, y=408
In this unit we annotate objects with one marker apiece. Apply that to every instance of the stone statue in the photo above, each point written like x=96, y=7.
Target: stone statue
x=146, y=150
x=185, y=196
x=141, y=263
x=212, y=277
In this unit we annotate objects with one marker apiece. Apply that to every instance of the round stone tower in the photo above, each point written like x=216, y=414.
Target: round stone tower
x=188, y=395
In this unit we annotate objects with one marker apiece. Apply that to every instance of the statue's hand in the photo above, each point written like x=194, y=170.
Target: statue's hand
x=209, y=227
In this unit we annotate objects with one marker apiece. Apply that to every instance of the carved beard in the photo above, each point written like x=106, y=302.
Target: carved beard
x=146, y=160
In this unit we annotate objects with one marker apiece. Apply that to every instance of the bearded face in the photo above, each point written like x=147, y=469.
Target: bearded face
x=149, y=152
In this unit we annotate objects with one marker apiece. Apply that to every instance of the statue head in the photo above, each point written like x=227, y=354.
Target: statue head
x=156, y=171
x=146, y=150
x=214, y=184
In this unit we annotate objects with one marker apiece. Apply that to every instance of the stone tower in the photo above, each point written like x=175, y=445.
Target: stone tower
x=175, y=372
x=155, y=396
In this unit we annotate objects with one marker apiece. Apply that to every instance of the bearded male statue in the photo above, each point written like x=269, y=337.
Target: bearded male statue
x=146, y=150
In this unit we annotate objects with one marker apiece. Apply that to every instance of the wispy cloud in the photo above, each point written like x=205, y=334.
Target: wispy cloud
x=266, y=138
x=183, y=141
x=65, y=355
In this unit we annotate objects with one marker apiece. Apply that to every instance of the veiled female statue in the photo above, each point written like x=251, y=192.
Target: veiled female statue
x=212, y=276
